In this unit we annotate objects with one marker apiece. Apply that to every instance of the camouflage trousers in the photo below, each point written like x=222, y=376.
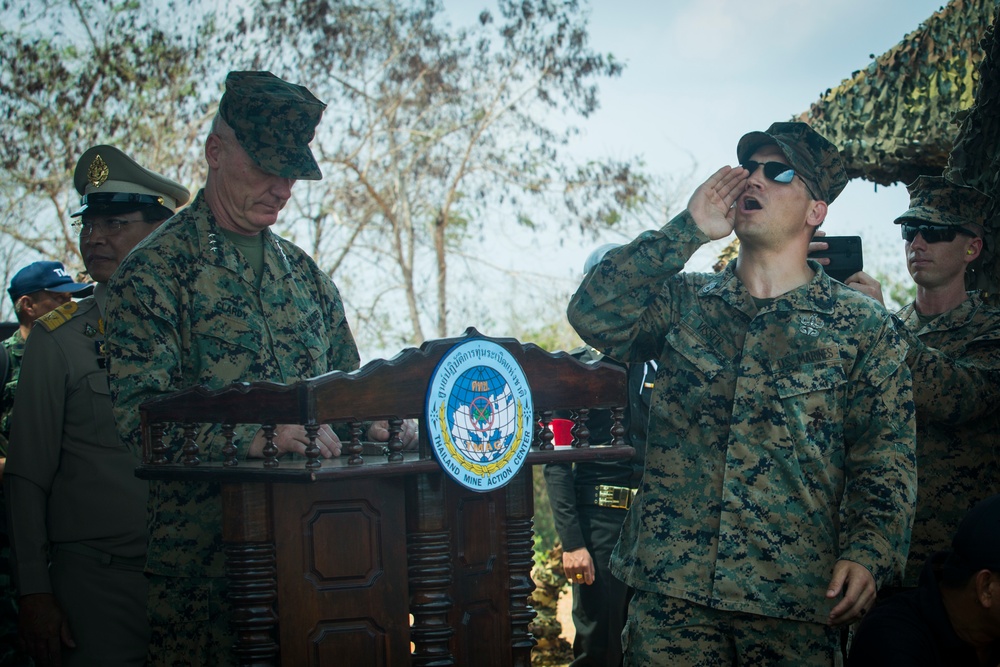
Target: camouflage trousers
x=190, y=622
x=664, y=630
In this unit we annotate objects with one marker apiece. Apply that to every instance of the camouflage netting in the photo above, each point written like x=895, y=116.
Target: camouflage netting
x=895, y=120
x=975, y=159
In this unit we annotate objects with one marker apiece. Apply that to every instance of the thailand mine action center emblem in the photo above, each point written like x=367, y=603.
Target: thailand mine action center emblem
x=479, y=414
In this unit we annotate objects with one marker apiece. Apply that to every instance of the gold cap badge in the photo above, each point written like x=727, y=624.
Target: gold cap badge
x=98, y=171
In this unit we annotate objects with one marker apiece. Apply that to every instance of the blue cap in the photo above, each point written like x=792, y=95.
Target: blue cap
x=37, y=276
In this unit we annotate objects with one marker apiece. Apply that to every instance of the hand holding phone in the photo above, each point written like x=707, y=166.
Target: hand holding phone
x=844, y=253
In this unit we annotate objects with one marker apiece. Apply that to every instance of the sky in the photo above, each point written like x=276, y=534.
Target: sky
x=701, y=73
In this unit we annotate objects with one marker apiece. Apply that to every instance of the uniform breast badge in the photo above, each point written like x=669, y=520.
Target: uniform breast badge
x=811, y=325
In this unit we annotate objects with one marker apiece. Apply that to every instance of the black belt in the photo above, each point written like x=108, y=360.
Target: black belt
x=135, y=564
x=603, y=495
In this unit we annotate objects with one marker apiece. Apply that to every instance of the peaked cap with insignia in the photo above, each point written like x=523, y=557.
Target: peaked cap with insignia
x=109, y=181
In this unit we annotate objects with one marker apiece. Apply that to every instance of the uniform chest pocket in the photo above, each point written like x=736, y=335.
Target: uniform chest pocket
x=810, y=379
x=813, y=398
x=224, y=332
x=696, y=350
x=100, y=404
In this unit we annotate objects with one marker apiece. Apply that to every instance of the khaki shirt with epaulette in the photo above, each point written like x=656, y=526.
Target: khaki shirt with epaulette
x=69, y=476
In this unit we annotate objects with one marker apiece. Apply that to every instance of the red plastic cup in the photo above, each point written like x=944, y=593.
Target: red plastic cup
x=562, y=432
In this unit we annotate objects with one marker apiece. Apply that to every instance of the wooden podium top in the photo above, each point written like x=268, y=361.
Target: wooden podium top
x=384, y=389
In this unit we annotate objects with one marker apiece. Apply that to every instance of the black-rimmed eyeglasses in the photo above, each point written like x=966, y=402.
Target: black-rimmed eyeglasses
x=109, y=227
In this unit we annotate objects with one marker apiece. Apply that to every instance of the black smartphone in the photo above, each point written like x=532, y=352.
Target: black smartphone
x=844, y=253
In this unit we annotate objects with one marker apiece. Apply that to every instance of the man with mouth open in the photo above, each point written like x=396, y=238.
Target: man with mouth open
x=953, y=337
x=780, y=474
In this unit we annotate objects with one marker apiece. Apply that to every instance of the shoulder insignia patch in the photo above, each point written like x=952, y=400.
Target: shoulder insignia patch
x=54, y=319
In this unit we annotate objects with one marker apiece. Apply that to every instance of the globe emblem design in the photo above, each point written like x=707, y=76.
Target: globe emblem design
x=482, y=415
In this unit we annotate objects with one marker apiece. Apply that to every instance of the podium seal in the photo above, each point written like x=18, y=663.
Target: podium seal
x=479, y=414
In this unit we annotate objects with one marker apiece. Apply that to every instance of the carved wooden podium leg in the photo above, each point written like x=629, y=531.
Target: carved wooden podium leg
x=252, y=570
x=430, y=570
x=520, y=542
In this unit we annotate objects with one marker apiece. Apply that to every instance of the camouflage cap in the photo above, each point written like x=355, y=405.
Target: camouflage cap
x=810, y=154
x=274, y=122
x=936, y=200
x=109, y=181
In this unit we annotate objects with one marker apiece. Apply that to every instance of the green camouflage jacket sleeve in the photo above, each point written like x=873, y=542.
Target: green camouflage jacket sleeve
x=955, y=361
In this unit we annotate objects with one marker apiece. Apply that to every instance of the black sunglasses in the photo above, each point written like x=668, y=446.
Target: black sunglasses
x=932, y=233
x=775, y=171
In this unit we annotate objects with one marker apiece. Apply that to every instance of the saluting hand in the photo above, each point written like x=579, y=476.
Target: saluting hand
x=711, y=205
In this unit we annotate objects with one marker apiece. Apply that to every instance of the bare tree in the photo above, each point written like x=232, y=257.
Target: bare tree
x=82, y=72
x=433, y=133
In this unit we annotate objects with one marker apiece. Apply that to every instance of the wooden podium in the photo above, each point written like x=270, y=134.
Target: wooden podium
x=376, y=557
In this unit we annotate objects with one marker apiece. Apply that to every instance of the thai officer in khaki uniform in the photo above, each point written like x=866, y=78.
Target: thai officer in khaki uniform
x=76, y=511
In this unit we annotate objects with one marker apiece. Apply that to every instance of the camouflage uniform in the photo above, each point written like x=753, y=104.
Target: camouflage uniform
x=781, y=440
x=15, y=351
x=80, y=527
x=955, y=362
x=9, y=654
x=183, y=311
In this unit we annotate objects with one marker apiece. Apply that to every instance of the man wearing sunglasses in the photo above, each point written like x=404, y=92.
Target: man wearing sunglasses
x=780, y=475
x=77, y=510
x=954, y=355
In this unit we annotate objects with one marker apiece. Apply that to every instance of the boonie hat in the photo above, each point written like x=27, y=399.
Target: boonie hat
x=976, y=544
x=109, y=181
x=274, y=122
x=810, y=154
x=38, y=276
x=936, y=200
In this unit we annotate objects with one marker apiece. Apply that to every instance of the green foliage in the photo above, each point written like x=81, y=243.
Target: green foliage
x=897, y=293
x=81, y=73
x=544, y=525
x=432, y=133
